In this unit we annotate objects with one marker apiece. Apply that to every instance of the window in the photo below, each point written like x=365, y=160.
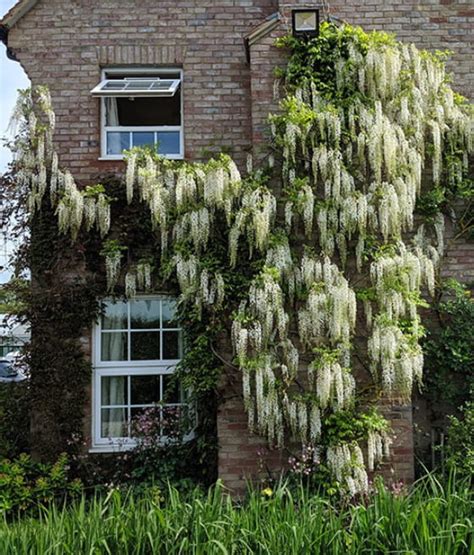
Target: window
x=137, y=347
x=139, y=108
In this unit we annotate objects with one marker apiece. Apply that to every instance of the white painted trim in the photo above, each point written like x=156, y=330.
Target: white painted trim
x=99, y=90
x=125, y=368
x=131, y=71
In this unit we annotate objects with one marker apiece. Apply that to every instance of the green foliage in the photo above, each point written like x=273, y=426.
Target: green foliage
x=430, y=519
x=460, y=448
x=14, y=418
x=26, y=485
x=315, y=60
x=449, y=366
x=353, y=425
x=351, y=165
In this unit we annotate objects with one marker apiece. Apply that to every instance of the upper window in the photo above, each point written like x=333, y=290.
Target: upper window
x=141, y=108
x=138, y=344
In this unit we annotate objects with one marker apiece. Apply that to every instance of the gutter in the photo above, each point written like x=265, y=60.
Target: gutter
x=4, y=39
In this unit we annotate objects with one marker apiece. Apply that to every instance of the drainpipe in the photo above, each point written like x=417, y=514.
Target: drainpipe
x=4, y=39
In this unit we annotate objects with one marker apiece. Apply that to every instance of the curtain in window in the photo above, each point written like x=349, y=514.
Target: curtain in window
x=114, y=388
x=111, y=111
x=114, y=419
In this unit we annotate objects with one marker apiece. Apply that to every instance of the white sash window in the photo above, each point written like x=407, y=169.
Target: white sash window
x=137, y=345
x=141, y=107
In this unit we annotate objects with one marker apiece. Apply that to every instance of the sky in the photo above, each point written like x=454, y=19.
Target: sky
x=12, y=78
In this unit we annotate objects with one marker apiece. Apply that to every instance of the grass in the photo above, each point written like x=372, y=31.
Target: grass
x=432, y=519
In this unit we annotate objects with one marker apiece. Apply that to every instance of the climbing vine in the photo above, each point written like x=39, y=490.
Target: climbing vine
x=292, y=255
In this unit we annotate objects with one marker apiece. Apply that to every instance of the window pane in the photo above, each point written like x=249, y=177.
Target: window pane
x=171, y=389
x=113, y=86
x=139, y=84
x=172, y=423
x=114, y=423
x=117, y=142
x=149, y=111
x=145, y=314
x=169, y=314
x=146, y=422
x=143, y=139
x=114, y=390
x=145, y=390
x=187, y=418
x=171, y=345
x=168, y=142
x=145, y=345
x=115, y=316
x=114, y=346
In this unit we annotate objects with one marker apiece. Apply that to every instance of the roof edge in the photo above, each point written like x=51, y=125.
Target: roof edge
x=263, y=28
x=20, y=9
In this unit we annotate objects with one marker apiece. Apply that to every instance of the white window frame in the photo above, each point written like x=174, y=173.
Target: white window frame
x=104, y=129
x=140, y=93
x=102, y=369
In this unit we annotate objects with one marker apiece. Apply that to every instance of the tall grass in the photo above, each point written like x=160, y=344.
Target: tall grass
x=432, y=519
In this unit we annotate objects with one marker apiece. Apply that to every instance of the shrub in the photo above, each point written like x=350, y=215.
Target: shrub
x=25, y=484
x=14, y=418
x=460, y=448
x=449, y=367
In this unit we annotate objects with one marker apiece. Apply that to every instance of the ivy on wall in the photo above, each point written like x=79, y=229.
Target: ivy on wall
x=303, y=259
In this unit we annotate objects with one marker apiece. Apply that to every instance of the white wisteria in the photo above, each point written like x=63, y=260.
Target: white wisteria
x=352, y=172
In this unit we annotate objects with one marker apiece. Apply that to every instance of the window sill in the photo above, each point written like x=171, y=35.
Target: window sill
x=110, y=448
x=124, y=447
x=114, y=158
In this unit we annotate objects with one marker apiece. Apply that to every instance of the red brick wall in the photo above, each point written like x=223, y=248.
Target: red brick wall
x=226, y=102
x=432, y=25
x=65, y=44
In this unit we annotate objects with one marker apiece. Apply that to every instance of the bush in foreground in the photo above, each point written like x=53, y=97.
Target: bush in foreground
x=430, y=519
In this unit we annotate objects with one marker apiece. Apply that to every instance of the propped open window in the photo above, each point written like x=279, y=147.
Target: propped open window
x=141, y=108
x=136, y=86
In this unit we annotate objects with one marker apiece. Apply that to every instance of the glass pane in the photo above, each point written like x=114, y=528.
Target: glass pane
x=171, y=389
x=115, y=316
x=146, y=422
x=305, y=21
x=114, y=423
x=138, y=84
x=171, y=345
x=168, y=142
x=114, y=346
x=145, y=345
x=187, y=418
x=145, y=314
x=114, y=390
x=116, y=85
x=117, y=142
x=162, y=85
x=171, y=424
x=145, y=390
x=169, y=314
x=143, y=139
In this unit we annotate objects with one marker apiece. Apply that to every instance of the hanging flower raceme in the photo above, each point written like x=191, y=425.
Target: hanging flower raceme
x=253, y=221
x=396, y=357
x=330, y=309
x=346, y=462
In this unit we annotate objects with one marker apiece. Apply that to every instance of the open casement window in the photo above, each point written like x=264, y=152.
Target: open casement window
x=141, y=108
x=137, y=346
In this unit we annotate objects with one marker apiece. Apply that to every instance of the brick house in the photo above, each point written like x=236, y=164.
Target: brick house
x=215, y=61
